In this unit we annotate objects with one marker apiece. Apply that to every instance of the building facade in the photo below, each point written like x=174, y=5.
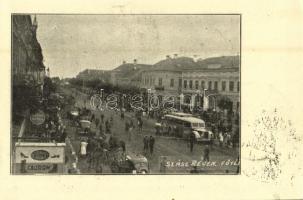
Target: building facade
x=213, y=81
x=28, y=70
x=27, y=58
x=128, y=74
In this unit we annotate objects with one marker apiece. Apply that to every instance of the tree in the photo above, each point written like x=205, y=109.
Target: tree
x=225, y=104
x=48, y=87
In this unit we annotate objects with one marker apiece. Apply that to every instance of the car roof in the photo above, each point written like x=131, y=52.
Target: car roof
x=186, y=119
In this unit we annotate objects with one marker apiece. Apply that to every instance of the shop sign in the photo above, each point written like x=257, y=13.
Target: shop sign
x=40, y=155
x=41, y=168
x=38, y=118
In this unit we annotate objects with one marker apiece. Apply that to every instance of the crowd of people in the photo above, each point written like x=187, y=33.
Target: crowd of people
x=52, y=129
x=148, y=145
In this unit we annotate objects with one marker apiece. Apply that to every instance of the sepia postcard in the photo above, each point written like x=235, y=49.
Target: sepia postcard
x=152, y=97
x=156, y=104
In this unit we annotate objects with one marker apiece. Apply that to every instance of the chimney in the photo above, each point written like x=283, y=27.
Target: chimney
x=175, y=55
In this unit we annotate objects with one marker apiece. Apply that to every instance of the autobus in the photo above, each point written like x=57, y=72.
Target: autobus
x=180, y=114
x=183, y=126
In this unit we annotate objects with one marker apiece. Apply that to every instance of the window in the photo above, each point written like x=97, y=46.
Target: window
x=191, y=84
x=180, y=82
x=231, y=86
x=202, y=84
x=238, y=87
x=209, y=85
x=197, y=84
x=223, y=85
x=216, y=85
x=185, y=83
x=172, y=82
x=160, y=81
x=186, y=124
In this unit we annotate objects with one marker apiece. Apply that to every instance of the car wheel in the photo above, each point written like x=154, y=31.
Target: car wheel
x=143, y=171
x=114, y=168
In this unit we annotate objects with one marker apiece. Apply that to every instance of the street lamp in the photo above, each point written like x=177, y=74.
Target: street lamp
x=199, y=98
x=205, y=100
x=181, y=100
x=148, y=94
x=101, y=92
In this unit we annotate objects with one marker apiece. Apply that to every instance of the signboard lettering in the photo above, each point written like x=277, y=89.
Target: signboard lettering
x=38, y=118
x=40, y=155
x=41, y=168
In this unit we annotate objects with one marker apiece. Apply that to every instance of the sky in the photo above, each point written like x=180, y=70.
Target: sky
x=72, y=43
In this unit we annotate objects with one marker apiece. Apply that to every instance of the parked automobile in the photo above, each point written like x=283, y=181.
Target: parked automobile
x=203, y=135
x=84, y=128
x=129, y=163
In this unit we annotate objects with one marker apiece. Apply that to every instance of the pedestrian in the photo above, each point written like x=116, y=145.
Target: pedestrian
x=63, y=136
x=225, y=139
x=98, y=158
x=127, y=130
x=145, y=144
x=107, y=127
x=140, y=124
x=130, y=129
x=122, y=145
x=122, y=115
x=221, y=139
x=83, y=146
x=228, y=140
x=111, y=121
x=131, y=124
x=206, y=153
x=163, y=165
x=90, y=149
x=92, y=118
x=97, y=121
x=101, y=129
x=157, y=129
x=192, y=139
x=102, y=118
x=151, y=144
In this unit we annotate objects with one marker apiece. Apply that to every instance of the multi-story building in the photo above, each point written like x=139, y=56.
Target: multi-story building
x=128, y=73
x=215, y=78
x=27, y=58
